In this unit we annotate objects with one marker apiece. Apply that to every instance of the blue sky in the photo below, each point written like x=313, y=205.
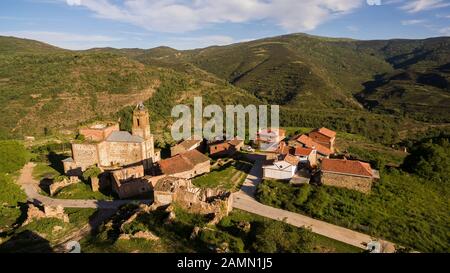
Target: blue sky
x=185, y=24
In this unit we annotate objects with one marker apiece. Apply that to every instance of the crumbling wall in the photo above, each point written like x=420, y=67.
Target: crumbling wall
x=55, y=187
x=35, y=213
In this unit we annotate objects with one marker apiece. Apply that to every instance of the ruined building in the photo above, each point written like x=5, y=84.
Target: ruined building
x=107, y=147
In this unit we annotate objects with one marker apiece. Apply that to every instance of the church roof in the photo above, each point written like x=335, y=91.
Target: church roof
x=123, y=136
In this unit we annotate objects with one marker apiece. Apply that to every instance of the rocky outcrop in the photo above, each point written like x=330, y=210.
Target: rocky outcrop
x=35, y=213
x=146, y=235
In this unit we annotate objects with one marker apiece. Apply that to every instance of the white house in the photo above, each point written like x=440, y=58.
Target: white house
x=283, y=169
x=269, y=139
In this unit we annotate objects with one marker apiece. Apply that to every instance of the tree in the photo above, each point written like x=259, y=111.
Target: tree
x=13, y=156
x=92, y=172
x=279, y=237
x=430, y=160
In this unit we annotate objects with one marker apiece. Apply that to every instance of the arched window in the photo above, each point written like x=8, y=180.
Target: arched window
x=138, y=123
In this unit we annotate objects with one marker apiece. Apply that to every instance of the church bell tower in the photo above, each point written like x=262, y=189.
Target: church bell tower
x=141, y=122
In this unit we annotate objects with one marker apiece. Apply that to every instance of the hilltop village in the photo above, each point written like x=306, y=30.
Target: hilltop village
x=129, y=164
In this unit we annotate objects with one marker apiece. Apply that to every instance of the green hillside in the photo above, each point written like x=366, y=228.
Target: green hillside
x=367, y=87
x=12, y=45
x=420, y=85
x=46, y=92
x=309, y=72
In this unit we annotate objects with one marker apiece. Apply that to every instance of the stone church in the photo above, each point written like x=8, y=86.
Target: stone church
x=105, y=146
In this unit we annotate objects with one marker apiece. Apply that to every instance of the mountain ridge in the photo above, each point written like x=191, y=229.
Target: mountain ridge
x=307, y=75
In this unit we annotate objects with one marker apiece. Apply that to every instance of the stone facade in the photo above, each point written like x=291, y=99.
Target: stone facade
x=358, y=183
x=106, y=146
x=99, y=132
x=130, y=182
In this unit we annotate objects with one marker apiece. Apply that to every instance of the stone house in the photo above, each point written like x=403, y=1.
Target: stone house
x=283, y=168
x=130, y=182
x=186, y=146
x=186, y=165
x=324, y=137
x=225, y=148
x=349, y=174
x=107, y=147
x=307, y=156
x=307, y=142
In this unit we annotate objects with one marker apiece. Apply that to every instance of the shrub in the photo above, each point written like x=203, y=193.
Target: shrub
x=279, y=237
x=91, y=172
x=13, y=156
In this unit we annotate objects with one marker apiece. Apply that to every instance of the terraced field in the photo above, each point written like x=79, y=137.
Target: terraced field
x=228, y=176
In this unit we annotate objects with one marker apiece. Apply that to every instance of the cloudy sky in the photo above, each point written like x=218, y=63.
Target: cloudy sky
x=185, y=24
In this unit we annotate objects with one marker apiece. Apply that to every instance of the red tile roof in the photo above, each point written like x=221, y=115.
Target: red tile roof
x=326, y=132
x=352, y=167
x=183, y=162
x=300, y=151
x=293, y=160
x=284, y=149
x=309, y=143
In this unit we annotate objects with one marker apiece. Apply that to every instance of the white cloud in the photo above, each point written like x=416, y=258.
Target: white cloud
x=188, y=15
x=412, y=22
x=74, y=2
x=421, y=5
x=445, y=31
x=64, y=40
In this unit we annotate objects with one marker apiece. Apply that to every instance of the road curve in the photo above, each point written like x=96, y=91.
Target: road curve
x=31, y=187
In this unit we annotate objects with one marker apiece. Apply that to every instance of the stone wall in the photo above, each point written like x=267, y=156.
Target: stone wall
x=134, y=188
x=361, y=184
x=120, y=153
x=55, y=187
x=71, y=168
x=130, y=182
x=85, y=155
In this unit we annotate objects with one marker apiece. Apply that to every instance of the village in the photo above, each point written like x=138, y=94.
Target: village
x=130, y=165
x=202, y=177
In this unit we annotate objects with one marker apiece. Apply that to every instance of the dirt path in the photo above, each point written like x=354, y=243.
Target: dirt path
x=245, y=200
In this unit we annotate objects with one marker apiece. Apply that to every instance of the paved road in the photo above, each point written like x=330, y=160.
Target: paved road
x=31, y=188
x=245, y=200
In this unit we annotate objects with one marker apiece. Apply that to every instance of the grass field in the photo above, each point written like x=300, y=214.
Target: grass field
x=40, y=235
x=402, y=208
x=229, y=176
x=81, y=191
